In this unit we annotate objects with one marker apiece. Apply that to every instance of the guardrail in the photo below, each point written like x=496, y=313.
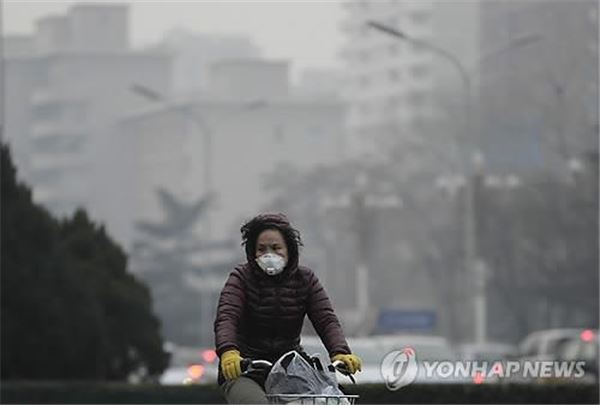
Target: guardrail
x=88, y=393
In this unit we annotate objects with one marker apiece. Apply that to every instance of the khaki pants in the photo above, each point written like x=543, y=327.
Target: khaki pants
x=244, y=390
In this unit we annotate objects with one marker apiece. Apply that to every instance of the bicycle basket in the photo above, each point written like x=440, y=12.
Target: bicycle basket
x=293, y=380
x=312, y=399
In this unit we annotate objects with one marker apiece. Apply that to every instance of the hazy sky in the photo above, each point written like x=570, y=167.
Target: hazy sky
x=303, y=30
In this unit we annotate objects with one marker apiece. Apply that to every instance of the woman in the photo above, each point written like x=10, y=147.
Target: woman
x=262, y=307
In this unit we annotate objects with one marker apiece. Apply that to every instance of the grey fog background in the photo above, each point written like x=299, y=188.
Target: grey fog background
x=444, y=178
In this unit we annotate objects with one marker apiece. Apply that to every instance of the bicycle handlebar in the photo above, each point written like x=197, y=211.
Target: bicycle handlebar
x=340, y=366
x=247, y=363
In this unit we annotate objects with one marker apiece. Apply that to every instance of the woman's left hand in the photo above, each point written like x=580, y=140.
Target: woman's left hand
x=352, y=362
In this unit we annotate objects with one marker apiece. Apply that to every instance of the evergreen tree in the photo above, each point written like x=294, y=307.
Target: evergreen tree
x=69, y=309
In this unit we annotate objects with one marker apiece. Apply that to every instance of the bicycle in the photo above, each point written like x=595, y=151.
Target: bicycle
x=303, y=398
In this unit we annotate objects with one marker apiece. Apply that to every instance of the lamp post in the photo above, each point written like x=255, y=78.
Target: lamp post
x=474, y=265
x=469, y=219
x=199, y=124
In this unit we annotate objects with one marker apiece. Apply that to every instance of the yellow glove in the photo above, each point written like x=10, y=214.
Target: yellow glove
x=352, y=362
x=231, y=364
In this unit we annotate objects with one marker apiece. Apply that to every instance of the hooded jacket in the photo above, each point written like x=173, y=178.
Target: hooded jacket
x=262, y=315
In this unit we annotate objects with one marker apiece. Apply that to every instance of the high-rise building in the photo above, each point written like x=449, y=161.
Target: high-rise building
x=249, y=79
x=387, y=80
x=392, y=85
x=193, y=54
x=64, y=86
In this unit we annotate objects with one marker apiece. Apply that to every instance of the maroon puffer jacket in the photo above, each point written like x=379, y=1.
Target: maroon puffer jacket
x=262, y=315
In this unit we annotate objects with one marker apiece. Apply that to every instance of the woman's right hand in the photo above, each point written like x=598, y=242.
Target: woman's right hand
x=231, y=364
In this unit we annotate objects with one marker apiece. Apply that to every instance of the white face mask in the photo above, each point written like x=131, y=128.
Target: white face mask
x=271, y=263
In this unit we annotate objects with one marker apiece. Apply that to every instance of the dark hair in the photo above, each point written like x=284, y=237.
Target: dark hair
x=252, y=229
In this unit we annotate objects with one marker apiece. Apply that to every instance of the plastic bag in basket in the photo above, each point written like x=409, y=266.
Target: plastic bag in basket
x=293, y=374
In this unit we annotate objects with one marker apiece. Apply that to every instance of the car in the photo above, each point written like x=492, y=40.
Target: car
x=488, y=351
x=191, y=366
x=546, y=344
x=551, y=345
x=174, y=376
x=586, y=349
x=428, y=348
x=373, y=349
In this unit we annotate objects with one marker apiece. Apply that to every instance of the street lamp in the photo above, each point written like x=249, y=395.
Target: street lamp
x=464, y=72
x=470, y=247
x=474, y=265
x=455, y=61
x=517, y=42
x=200, y=124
